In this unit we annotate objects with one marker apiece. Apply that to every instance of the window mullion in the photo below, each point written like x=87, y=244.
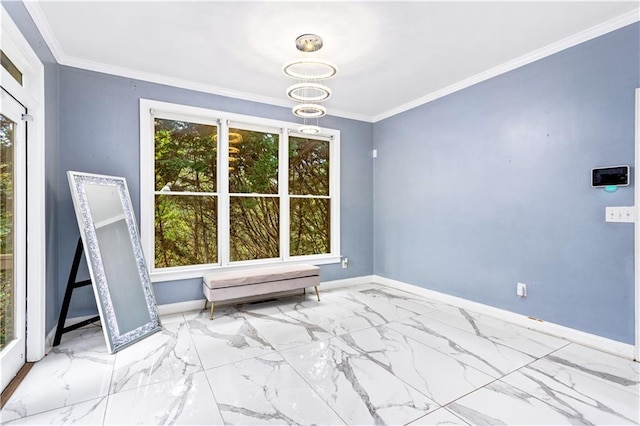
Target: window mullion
x=283, y=190
x=334, y=193
x=223, y=190
x=147, y=183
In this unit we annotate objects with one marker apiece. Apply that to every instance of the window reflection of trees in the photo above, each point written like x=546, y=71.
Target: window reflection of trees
x=7, y=132
x=186, y=223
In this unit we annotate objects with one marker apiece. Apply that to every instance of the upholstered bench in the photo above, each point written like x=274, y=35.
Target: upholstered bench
x=228, y=285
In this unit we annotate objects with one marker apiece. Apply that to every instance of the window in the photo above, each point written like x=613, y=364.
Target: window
x=10, y=67
x=222, y=190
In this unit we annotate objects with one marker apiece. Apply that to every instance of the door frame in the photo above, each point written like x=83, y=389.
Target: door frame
x=31, y=95
x=636, y=225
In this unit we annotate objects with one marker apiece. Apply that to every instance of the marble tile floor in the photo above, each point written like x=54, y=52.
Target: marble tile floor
x=364, y=355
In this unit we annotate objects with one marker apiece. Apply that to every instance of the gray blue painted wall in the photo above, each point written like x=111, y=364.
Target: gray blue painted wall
x=24, y=22
x=99, y=133
x=490, y=186
x=471, y=193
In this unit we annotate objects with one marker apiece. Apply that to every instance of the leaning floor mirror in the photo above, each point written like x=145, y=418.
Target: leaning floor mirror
x=121, y=282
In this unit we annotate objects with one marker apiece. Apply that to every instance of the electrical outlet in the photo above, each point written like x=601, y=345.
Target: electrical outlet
x=345, y=262
x=521, y=290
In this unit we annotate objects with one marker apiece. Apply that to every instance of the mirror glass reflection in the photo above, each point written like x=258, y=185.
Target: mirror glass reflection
x=116, y=263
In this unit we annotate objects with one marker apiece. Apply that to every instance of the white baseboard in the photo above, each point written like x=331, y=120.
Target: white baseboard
x=347, y=282
x=603, y=344
x=597, y=342
x=179, y=307
x=48, y=340
x=192, y=305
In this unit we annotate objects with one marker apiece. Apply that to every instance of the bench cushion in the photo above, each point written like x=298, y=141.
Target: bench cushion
x=258, y=289
x=259, y=275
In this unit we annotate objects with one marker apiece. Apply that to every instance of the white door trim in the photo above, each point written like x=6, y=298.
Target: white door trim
x=31, y=95
x=636, y=257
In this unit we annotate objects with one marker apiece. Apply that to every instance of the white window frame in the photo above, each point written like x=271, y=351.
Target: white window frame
x=150, y=109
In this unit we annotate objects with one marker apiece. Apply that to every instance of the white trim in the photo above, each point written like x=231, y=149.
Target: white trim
x=12, y=357
x=347, y=282
x=283, y=188
x=636, y=226
x=50, y=337
x=224, y=203
x=41, y=22
x=33, y=99
x=190, y=272
x=597, y=342
x=573, y=40
x=150, y=109
x=193, y=305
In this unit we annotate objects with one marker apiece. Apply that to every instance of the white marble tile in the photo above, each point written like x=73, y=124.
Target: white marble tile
x=285, y=325
x=167, y=354
x=588, y=401
x=610, y=369
x=355, y=387
x=438, y=376
x=384, y=304
x=267, y=390
x=77, y=370
x=479, y=352
x=501, y=404
x=229, y=337
x=187, y=400
x=529, y=341
x=83, y=413
x=440, y=417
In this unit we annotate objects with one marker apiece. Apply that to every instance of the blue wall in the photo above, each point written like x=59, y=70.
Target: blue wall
x=490, y=186
x=99, y=133
x=472, y=192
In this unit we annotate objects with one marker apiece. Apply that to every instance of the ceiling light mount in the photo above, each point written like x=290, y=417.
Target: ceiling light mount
x=309, y=43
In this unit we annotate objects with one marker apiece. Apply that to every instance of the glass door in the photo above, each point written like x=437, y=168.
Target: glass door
x=12, y=237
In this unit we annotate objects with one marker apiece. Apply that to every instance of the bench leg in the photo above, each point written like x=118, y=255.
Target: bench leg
x=317, y=293
x=213, y=305
x=205, y=303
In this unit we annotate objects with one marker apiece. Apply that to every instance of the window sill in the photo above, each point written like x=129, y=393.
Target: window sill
x=183, y=273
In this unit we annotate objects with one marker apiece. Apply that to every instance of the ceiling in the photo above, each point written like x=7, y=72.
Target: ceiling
x=390, y=55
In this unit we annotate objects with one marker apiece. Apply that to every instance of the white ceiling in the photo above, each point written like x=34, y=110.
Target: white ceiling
x=390, y=55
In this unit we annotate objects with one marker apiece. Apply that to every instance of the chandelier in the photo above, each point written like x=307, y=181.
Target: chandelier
x=310, y=91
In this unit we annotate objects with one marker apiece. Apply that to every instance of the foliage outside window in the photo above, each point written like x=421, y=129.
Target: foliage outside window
x=254, y=224
x=186, y=193
x=7, y=332
x=309, y=196
x=226, y=194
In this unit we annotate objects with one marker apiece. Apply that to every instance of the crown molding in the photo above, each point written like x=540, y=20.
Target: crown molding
x=43, y=26
x=573, y=40
x=608, y=26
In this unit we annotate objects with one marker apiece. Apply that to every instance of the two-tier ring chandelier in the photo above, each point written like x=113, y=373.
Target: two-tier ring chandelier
x=310, y=91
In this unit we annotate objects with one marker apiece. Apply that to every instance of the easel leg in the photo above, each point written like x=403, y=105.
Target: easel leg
x=213, y=305
x=317, y=293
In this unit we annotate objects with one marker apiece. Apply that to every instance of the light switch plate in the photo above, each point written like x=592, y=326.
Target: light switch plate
x=620, y=214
